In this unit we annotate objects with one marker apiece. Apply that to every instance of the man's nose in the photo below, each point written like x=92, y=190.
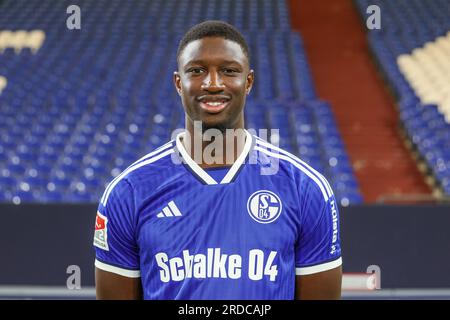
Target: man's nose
x=212, y=83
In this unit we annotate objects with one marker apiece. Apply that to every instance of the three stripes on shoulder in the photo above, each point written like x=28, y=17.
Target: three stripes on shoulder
x=169, y=211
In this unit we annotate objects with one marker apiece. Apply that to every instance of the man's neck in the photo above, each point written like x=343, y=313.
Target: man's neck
x=214, y=148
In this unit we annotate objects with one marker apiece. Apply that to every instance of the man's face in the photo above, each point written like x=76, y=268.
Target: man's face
x=213, y=80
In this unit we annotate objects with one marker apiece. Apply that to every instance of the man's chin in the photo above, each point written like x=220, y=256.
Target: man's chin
x=215, y=122
x=221, y=122
x=221, y=126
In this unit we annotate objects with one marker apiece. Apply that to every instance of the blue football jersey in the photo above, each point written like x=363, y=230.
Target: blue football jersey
x=243, y=233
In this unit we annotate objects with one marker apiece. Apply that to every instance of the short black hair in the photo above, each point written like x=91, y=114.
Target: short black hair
x=214, y=28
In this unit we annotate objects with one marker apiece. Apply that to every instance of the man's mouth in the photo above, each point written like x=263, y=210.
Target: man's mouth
x=214, y=105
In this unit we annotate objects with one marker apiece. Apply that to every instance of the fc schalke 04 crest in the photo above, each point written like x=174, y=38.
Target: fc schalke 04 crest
x=264, y=206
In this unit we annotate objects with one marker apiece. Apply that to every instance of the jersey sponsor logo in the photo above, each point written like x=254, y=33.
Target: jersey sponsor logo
x=264, y=206
x=169, y=211
x=335, y=226
x=215, y=264
x=101, y=232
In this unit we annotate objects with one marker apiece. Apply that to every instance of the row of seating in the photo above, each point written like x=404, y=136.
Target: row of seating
x=427, y=70
x=138, y=16
x=21, y=39
x=279, y=52
x=87, y=104
x=3, y=83
x=413, y=52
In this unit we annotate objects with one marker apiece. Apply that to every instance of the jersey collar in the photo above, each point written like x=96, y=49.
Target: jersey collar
x=202, y=174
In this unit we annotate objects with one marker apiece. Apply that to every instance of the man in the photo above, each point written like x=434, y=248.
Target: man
x=176, y=225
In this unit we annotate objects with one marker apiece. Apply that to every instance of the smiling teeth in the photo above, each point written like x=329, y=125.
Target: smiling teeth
x=215, y=104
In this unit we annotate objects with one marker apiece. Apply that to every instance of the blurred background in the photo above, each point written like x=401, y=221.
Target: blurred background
x=359, y=89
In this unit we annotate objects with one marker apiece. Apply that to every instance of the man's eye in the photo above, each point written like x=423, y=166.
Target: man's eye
x=195, y=70
x=229, y=71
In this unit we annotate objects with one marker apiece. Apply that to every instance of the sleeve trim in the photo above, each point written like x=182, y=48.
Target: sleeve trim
x=319, y=267
x=120, y=271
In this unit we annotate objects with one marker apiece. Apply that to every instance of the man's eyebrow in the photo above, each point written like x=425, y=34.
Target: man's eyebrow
x=224, y=62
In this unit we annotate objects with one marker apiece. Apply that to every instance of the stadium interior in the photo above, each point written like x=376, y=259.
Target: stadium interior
x=370, y=109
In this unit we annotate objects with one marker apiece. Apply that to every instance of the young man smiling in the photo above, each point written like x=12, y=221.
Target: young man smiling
x=223, y=229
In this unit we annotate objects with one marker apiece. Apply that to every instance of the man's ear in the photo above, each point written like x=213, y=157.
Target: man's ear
x=249, y=81
x=177, y=81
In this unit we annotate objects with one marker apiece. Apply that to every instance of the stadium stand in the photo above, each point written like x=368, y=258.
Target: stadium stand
x=3, y=83
x=21, y=39
x=81, y=105
x=412, y=50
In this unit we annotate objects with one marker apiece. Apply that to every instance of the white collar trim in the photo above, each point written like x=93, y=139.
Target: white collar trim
x=202, y=173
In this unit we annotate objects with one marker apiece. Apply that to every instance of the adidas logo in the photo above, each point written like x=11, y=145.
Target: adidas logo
x=169, y=211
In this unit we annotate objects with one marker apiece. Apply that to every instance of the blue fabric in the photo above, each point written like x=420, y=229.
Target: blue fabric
x=239, y=240
x=217, y=173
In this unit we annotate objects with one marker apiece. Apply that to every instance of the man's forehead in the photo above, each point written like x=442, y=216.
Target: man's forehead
x=212, y=48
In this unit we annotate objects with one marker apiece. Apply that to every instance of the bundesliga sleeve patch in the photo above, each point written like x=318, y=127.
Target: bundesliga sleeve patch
x=101, y=232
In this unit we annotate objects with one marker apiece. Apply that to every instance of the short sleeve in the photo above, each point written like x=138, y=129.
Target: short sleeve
x=114, y=238
x=318, y=244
